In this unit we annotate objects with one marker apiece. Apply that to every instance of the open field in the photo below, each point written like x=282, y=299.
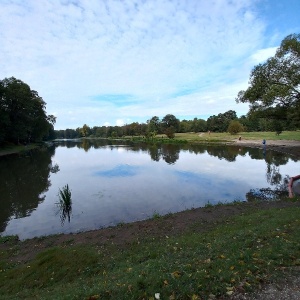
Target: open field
x=226, y=137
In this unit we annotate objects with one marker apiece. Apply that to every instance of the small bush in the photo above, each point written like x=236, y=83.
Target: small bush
x=170, y=132
x=235, y=127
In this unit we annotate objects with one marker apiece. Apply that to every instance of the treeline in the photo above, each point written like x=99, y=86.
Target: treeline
x=169, y=125
x=23, y=118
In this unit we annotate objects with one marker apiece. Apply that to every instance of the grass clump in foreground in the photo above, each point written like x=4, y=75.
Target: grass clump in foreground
x=237, y=255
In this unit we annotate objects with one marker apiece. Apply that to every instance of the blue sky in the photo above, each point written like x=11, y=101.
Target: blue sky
x=117, y=62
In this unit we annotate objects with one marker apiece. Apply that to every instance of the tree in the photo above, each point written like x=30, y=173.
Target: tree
x=199, y=125
x=221, y=122
x=170, y=132
x=274, y=89
x=22, y=113
x=170, y=120
x=185, y=126
x=235, y=127
x=4, y=115
x=154, y=124
x=85, y=130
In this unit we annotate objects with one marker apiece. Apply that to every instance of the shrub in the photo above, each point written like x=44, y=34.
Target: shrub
x=235, y=127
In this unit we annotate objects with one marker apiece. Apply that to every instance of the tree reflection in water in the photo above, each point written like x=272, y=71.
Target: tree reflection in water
x=274, y=178
x=24, y=180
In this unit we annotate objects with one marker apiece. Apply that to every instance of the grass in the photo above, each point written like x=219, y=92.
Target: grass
x=156, y=215
x=226, y=137
x=217, y=137
x=239, y=254
x=65, y=203
x=64, y=195
x=12, y=148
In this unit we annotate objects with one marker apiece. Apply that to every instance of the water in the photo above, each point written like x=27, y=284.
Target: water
x=117, y=182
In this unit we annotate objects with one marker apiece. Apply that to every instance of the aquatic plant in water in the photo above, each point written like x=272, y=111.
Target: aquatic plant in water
x=65, y=203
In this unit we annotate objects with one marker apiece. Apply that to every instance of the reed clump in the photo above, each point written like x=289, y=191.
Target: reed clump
x=65, y=203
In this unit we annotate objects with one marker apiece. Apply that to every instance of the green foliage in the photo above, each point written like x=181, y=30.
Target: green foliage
x=65, y=196
x=208, y=205
x=65, y=203
x=156, y=215
x=154, y=125
x=170, y=120
x=22, y=113
x=195, y=125
x=235, y=127
x=85, y=130
x=277, y=126
x=170, y=132
x=274, y=85
x=8, y=239
x=221, y=122
x=150, y=135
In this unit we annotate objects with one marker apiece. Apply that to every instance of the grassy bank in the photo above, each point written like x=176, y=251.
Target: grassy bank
x=219, y=137
x=181, y=138
x=235, y=256
x=7, y=149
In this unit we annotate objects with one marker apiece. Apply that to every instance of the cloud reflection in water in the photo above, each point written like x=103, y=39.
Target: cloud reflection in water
x=119, y=171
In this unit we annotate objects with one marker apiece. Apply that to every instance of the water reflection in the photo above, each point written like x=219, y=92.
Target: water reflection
x=24, y=178
x=170, y=154
x=116, y=181
x=271, y=193
x=119, y=171
x=278, y=183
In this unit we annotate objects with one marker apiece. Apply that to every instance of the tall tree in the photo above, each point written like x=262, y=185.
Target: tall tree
x=154, y=124
x=170, y=120
x=274, y=86
x=22, y=113
x=85, y=130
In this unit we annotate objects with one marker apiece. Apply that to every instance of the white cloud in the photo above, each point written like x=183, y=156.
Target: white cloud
x=120, y=122
x=263, y=54
x=153, y=51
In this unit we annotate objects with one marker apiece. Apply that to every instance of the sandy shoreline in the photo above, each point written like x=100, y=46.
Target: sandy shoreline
x=284, y=146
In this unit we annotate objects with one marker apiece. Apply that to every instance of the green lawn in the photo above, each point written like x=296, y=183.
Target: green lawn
x=224, y=136
x=238, y=254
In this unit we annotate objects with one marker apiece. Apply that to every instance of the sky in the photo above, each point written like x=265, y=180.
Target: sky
x=102, y=62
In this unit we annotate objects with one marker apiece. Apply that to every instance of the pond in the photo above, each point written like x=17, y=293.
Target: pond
x=118, y=182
